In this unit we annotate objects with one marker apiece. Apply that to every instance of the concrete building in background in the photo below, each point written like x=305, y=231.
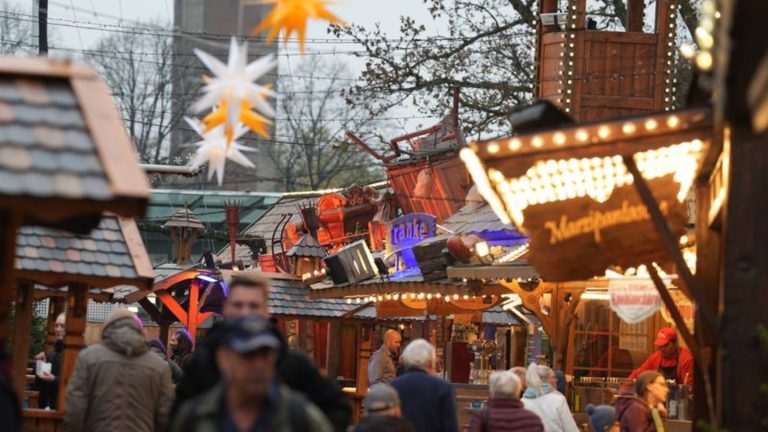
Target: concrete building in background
x=208, y=25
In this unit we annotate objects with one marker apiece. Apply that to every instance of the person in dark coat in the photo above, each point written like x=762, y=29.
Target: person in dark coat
x=382, y=411
x=644, y=410
x=47, y=383
x=427, y=401
x=248, y=296
x=505, y=412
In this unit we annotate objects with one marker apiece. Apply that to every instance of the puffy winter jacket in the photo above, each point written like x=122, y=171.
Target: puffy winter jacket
x=119, y=385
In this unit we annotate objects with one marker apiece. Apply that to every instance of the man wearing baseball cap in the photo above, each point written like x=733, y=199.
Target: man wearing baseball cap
x=670, y=359
x=248, y=397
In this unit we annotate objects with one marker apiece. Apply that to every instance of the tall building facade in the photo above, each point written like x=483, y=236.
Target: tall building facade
x=208, y=25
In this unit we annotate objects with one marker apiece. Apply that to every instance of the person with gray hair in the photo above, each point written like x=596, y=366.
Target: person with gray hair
x=428, y=401
x=542, y=398
x=504, y=411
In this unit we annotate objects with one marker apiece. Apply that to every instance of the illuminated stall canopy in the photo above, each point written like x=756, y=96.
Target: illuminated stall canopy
x=572, y=192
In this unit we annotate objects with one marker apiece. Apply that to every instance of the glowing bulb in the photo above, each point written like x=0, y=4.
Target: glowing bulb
x=514, y=144
x=673, y=121
x=493, y=148
x=687, y=51
x=582, y=135
x=629, y=128
x=455, y=296
x=704, y=60
x=603, y=132
x=537, y=142
x=651, y=124
x=558, y=138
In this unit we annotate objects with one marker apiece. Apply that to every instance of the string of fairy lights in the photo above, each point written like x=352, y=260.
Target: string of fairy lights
x=670, y=79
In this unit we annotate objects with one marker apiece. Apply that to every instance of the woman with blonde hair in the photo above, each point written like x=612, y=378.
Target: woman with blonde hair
x=542, y=398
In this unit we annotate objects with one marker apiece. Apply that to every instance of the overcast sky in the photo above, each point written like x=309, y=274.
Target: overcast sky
x=79, y=24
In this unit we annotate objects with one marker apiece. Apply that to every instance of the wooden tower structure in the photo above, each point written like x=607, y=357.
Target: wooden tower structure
x=594, y=74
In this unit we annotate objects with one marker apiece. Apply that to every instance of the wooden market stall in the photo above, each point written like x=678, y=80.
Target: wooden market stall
x=66, y=160
x=77, y=268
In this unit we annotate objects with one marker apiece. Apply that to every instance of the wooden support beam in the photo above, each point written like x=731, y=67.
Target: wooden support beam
x=173, y=306
x=21, y=337
x=635, y=15
x=8, y=226
x=151, y=310
x=77, y=307
x=689, y=285
x=192, y=313
x=700, y=358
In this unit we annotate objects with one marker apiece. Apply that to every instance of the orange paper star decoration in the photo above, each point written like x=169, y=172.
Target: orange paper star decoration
x=257, y=123
x=292, y=16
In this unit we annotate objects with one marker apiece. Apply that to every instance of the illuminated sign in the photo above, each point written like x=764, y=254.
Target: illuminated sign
x=405, y=232
x=576, y=239
x=410, y=229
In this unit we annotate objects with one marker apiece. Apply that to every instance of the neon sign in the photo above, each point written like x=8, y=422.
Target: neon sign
x=405, y=232
x=410, y=229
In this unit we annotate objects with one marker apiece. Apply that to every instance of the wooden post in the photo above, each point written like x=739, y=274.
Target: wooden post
x=745, y=272
x=21, y=337
x=194, y=295
x=7, y=256
x=77, y=306
x=635, y=15
x=334, y=347
x=708, y=264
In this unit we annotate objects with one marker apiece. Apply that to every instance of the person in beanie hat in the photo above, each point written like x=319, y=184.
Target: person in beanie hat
x=602, y=418
x=118, y=384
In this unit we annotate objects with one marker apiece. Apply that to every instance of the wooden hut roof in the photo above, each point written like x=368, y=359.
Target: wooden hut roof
x=62, y=141
x=111, y=254
x=184, y=218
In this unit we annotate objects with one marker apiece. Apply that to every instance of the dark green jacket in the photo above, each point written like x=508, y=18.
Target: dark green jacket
x=204, y=413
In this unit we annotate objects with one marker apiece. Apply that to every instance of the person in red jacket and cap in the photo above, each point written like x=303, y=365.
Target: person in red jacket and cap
x=670, y=359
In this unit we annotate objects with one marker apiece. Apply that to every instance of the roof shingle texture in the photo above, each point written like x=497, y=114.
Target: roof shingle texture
x=101, y=253
x=472, y=220
x=291, y=298
x=45, y=147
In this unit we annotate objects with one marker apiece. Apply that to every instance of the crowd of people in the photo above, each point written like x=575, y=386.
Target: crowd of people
x=242, y=377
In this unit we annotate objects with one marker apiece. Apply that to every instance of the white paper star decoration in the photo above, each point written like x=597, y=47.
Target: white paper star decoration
x=231, y=89
x=216, y=147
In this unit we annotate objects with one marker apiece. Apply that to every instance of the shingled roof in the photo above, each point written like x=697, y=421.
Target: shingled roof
x=307, y=246
x=478, y=220
x=62, y=140
x=112, y=254
x=291, y=298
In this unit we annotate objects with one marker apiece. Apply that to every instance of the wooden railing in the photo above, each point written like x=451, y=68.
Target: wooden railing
x=37, y=420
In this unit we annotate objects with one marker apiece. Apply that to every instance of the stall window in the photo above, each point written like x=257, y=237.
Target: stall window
x=605, y=346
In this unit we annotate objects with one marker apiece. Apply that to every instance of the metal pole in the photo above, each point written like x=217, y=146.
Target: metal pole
x=42, y=27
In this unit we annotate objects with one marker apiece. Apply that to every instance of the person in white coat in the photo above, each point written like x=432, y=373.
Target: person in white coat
x=542, y=398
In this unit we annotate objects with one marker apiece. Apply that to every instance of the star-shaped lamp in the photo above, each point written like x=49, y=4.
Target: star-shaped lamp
x=216, y=147
x=292, y=16
x=257, y=123
x=234, y=84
